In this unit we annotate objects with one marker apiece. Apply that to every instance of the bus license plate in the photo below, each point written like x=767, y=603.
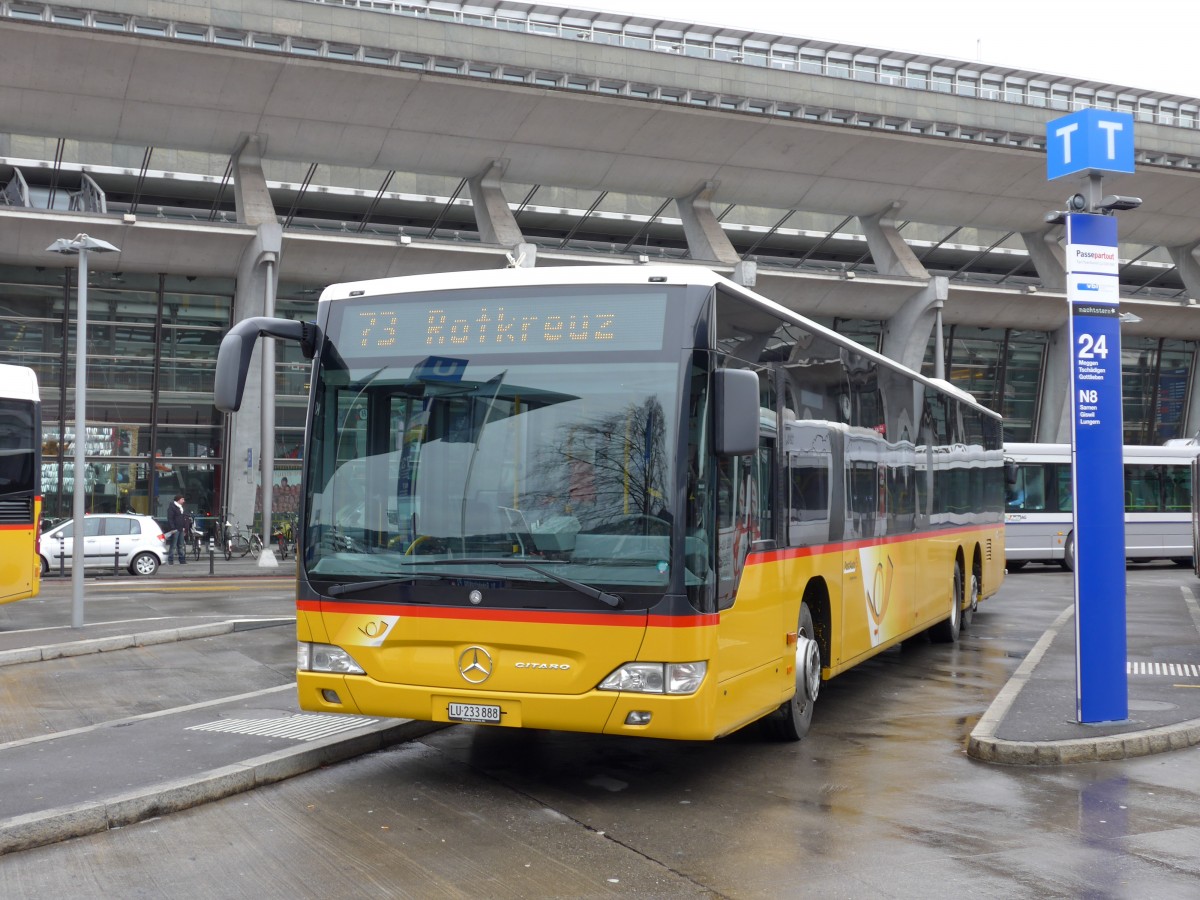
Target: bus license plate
x=474, y=712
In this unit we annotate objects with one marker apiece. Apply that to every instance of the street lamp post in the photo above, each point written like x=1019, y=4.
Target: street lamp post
x=79, y=246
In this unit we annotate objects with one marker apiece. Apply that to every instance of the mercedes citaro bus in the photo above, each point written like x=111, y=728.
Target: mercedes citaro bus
x=628, y=500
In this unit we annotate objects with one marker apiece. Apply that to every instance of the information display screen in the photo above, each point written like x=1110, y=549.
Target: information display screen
x=420, y=324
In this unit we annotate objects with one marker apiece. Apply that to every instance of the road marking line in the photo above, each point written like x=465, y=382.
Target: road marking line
x=290, y=686
x=1186, y=670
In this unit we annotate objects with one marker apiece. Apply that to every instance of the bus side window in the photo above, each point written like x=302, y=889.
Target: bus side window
x=745, y=515
x=1065, y=497
x=765, y=485
x=1179, y=489
x=1029, y=492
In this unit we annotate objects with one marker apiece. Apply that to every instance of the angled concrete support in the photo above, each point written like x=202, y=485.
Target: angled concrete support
x=705, y=238
x=889, y=252
x=257, y=281
x=496, y=223
x=906, y=334
x=254, y=206
x=1187, y=261
x=1048, y=257
x=1054, y=409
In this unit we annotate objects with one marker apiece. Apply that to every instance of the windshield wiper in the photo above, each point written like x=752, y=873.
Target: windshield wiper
x=353, y=587
x=613, y=600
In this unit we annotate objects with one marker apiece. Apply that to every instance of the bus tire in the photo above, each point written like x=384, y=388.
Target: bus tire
x=968, y=615
x=947, y=630
x=1068, y=560
x=794, y=717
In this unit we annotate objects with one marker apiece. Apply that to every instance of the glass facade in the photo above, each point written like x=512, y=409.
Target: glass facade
x=1155, y=380
x=152, y=429
x=1001, y=367
x=153, y=432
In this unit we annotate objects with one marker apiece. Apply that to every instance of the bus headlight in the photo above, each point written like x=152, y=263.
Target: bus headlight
x=656, y=678
x=326, y=658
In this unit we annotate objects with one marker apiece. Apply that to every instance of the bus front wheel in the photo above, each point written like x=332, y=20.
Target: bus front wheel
x=1068, y=560
x=793, y=719
x=947, y=630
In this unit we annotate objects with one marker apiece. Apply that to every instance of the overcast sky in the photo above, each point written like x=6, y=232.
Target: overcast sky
x=1151, y=46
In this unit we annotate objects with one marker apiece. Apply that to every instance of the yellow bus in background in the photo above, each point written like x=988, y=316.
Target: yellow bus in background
x=630, y=500
x=20, y=483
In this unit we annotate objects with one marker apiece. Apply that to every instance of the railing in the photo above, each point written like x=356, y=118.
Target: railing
x=956, y=76
x=945, y=76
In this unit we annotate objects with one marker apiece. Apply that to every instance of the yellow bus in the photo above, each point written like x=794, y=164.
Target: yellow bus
x=20, y=481
x=626, y=500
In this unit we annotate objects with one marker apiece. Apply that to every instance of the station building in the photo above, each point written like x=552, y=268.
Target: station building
x=248, y=149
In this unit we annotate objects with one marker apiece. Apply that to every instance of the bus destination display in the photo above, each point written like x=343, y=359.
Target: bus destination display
x=423, y=324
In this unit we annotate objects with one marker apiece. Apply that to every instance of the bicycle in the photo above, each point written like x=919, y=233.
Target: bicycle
x=193, y=539
x=237, y=541
x=285, y=536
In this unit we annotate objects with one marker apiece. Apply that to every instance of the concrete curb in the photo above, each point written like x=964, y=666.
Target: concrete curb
x=52, y=826
x=986, y=747
x=127, y=641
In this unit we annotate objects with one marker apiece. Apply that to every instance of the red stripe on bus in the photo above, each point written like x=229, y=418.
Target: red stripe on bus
x=767, y=556
x=544, y=617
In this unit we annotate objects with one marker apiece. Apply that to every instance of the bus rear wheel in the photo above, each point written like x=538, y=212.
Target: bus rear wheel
x=968, y=615
x=793, y=719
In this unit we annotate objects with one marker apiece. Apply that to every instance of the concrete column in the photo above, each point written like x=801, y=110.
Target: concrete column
x=522, y=256
x=745, y=273
x=1048, y=257
x=706, y=239
x=496, y=223
x=257, y=281
x=889, y=252
x=906, y=334
x=1054, y=409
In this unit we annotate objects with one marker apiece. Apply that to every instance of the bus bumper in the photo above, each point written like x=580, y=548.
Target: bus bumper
x=595, y=712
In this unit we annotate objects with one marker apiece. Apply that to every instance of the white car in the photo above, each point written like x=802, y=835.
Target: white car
x=138, y=539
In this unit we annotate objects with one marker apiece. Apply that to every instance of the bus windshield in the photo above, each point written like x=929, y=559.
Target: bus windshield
x=566, y=464
x=18, y=435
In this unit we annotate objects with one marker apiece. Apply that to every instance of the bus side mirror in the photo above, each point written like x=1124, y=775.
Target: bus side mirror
x=1010, y=472
x=735, y=409
x=233, y=357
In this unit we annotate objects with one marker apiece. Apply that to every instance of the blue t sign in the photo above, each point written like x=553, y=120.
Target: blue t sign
x=1102, y=693
x=1091, y=140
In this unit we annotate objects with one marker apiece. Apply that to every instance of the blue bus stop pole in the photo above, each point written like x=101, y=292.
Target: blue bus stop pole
x=1089, y=143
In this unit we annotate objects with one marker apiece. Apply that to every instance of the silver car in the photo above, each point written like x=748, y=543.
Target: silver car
x=133, y=542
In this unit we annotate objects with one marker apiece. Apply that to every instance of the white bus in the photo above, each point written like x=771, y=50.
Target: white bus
x=1158, y=502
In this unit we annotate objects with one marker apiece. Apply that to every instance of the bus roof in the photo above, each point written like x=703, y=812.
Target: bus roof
x=18, y=383
x=1131, y=453
x=678, y=274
